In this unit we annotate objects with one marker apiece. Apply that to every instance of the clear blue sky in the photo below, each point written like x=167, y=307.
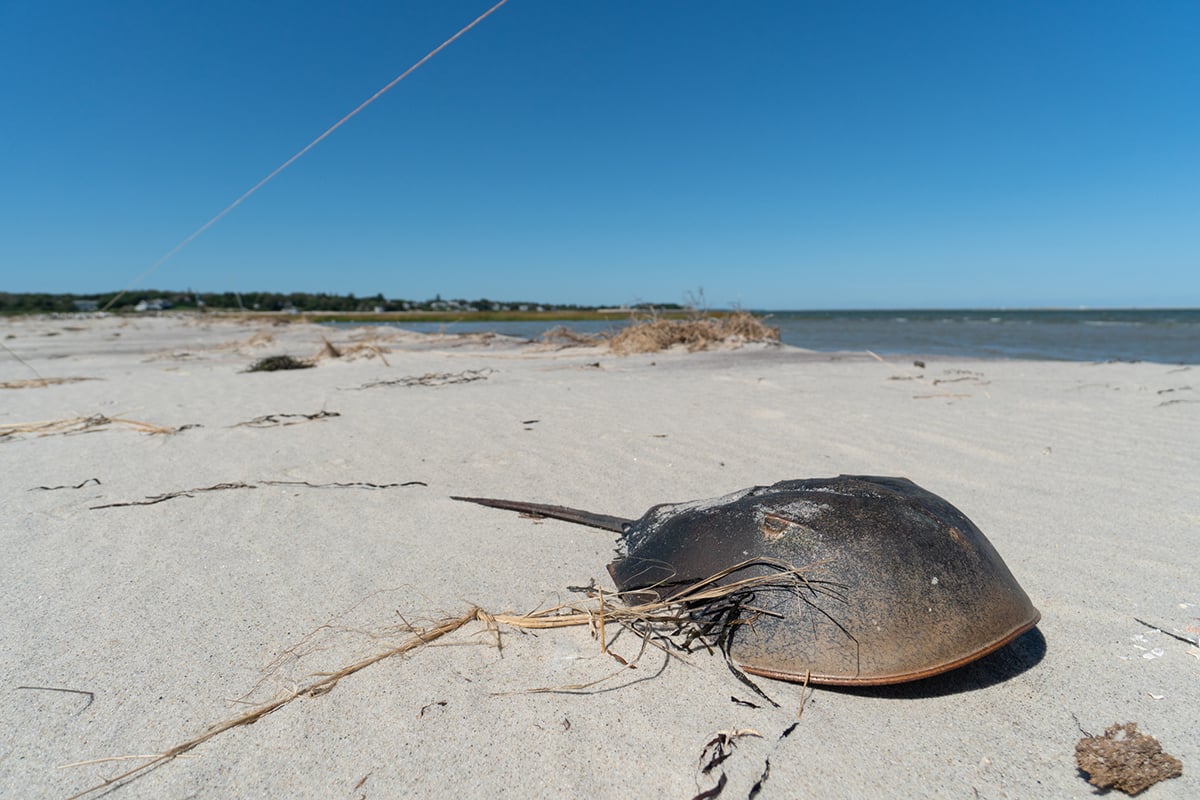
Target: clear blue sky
x=775, y=154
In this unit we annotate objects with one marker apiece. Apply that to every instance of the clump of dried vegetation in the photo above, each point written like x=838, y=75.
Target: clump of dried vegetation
x=654, y=333
x=277, y=363
x=699, y=333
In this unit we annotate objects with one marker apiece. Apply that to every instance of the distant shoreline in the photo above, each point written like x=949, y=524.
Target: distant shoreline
x=564, y=315
x=616, y=314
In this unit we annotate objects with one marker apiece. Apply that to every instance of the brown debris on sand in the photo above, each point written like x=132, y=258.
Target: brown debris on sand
x=1124, y=759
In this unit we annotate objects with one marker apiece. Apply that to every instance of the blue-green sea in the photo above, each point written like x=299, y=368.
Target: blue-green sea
x=1170, y=336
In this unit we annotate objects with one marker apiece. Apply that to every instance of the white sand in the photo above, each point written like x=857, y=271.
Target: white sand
x=1085, y=477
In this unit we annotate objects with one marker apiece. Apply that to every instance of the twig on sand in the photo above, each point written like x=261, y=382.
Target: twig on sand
x=721, y=747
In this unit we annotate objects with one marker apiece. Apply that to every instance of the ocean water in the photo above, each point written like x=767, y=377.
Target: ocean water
x=1170, y=336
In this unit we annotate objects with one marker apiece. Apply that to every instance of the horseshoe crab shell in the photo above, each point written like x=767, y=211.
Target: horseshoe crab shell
x=900, y=584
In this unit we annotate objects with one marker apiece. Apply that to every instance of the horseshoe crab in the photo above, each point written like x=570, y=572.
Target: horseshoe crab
x=896, y=583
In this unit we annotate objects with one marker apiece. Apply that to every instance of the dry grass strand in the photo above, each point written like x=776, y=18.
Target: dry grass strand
x=90, y=424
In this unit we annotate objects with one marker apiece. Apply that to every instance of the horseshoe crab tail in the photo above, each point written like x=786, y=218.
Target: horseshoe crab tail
x=602, y=521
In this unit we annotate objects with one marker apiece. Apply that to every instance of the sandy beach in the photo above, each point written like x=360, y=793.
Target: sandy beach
x=186, y=540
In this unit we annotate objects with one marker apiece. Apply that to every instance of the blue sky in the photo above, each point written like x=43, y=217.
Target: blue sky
x=773, y=154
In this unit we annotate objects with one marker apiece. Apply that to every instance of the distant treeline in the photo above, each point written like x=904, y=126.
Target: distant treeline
x=156, y=300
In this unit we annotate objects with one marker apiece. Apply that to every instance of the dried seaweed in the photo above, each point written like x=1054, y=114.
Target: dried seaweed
x=715, y=791
x=427, y=706
x=350, y=485
x=272, y=420
x=219, y=487
x=721, y=747
x=277, y=363
x=433, y=379
x=160, y=498
x=1124, y=759
x=76, y=486
x=1175, y=402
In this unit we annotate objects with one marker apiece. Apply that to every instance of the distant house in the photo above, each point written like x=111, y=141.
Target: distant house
x=87, y=305
x=157, y=304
